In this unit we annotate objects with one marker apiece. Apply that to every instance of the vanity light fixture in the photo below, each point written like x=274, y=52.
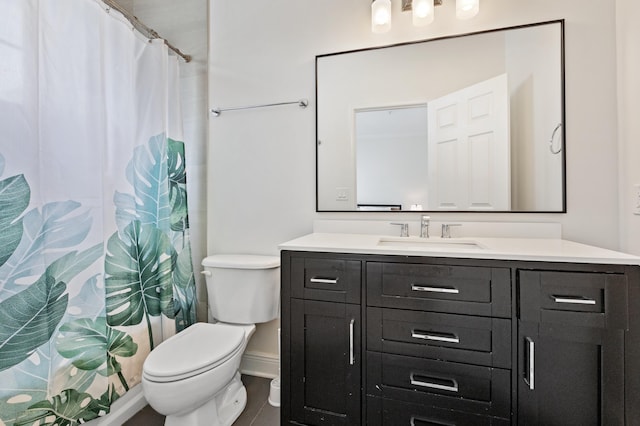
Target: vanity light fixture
x=422, y=11
x=380, y=16
x=466, y=9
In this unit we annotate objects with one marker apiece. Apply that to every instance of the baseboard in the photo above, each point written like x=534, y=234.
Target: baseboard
x=123, y=409
x=260, y=364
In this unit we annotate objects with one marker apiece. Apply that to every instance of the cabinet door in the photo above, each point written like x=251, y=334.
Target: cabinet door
x=325, y=363
x=570, y=375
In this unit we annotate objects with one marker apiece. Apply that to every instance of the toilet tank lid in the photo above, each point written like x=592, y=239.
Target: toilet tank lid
x=241, y=261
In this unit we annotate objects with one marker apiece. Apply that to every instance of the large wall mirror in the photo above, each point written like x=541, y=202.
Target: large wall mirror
x=472, y=122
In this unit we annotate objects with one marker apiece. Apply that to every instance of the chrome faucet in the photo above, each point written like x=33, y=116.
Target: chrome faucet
x=424, y=226
x=404, y=228
x=446, y=229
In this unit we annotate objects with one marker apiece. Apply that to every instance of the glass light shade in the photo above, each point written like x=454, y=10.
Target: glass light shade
x=422, y=12
x=466, y=9
x=381, y=16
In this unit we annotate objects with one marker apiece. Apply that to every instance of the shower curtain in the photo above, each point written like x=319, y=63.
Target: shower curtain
x=95, y=260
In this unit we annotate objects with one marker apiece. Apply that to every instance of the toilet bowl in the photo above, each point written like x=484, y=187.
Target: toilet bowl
x=197, y=369
x=192, y=378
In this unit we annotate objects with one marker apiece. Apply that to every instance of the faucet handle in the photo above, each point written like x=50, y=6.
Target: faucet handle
x=404, y=228
x=446, y=229
x=424, y=226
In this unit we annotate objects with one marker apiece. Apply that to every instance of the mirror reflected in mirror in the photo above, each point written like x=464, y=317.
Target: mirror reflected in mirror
x=464, y=123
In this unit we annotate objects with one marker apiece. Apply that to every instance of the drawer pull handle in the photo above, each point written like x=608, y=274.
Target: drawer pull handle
x=352, y=359
x=530, y=374
x=579, y=300
x=438, y=337
x=417, y=421
x=449, y=290
x=450, y=385
x=322, y=280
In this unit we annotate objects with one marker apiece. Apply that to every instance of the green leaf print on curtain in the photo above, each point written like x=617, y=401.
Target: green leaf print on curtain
x=29, y=318
x=86, y=341
x=158, y=176
x=183, y=278
x=51, y=333
x=66, y=409
x=147, y=173
x=14, y=199
x=34, y=294
x=59, y=225
x=177, y=186
x=138, y=269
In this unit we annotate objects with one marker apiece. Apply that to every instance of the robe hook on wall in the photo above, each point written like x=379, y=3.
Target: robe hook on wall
x=302, y=103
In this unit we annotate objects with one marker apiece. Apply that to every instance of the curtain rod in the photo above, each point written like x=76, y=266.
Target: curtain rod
x=146, y=31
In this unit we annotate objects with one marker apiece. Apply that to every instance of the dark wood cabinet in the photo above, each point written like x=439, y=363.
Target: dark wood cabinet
x=436, y=335
x=569, y=375
x=321, y=331
x=325, y=363
x=395, y=340
x=571, y=348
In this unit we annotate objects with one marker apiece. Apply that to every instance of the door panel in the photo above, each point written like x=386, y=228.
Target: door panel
x=325, y=363
x=570, y=375
x=469, y=148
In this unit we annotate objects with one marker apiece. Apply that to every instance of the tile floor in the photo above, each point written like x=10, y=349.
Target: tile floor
x=258, y=411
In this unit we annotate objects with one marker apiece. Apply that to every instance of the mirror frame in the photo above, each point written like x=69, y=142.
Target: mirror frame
x=454, y=36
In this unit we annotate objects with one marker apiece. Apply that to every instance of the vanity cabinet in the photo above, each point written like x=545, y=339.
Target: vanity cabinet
x=422, y=341
x=321, y=345
x=571, y=331
x=439, y=337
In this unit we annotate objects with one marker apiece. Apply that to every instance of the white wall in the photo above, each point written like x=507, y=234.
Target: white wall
x=262, y=162
x=629, y=126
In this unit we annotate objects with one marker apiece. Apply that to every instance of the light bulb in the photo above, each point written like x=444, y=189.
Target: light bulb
x=381, y=16
x=466, y=9
x=422, y=12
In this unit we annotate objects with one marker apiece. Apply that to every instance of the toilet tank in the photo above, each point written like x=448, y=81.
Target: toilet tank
x=243, y=289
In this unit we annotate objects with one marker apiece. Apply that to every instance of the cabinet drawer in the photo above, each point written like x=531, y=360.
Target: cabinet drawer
x=574, y=298
x=332, y=280
x=459, y=338
x=449, y=385
x=387, y=412
x=441, y=288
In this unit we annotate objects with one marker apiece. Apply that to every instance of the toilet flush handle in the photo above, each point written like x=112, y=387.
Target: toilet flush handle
x=206, y=273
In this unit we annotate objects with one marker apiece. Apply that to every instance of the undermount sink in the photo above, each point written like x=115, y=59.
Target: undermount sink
x=445, y=244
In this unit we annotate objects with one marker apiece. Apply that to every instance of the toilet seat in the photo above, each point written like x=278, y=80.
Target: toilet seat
x=197, y=349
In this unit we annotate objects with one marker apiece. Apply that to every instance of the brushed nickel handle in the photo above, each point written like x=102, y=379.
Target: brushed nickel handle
x=323, y=280
x=417, y=421
x=431, y=385
x=352, y=359
x=449, y=290
x=529, y=378
x=438, y=337
x=574, y=300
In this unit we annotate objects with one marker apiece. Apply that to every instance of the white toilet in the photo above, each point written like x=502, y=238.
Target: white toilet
x=192, y=378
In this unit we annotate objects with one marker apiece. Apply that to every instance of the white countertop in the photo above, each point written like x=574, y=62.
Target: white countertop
x=533, y=249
